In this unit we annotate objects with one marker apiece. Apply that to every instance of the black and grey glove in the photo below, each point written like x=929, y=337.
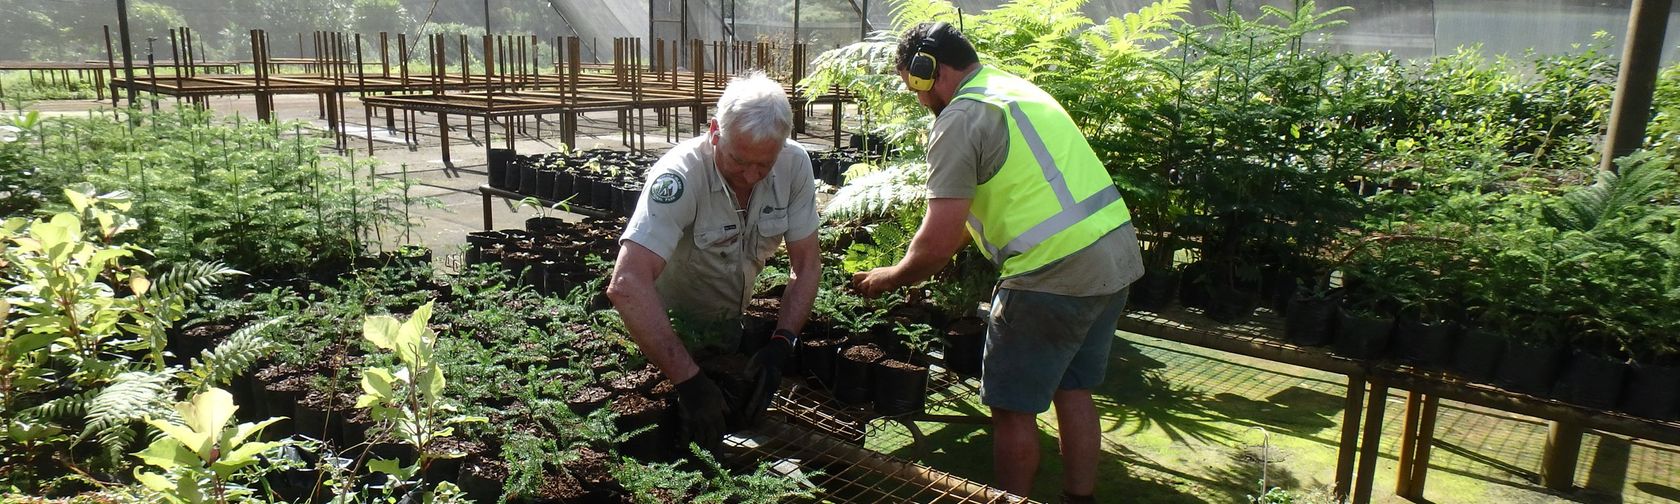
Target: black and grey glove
x=703, y=410
x=765, y=369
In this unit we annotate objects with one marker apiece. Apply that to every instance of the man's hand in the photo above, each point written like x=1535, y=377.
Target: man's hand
x=765, y=368
x=874, y=282
x=701, y=406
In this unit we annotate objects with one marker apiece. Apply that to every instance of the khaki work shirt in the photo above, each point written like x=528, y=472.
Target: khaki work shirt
x=713, y=253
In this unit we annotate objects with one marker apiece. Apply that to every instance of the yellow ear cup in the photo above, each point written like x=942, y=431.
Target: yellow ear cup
x=919, y=76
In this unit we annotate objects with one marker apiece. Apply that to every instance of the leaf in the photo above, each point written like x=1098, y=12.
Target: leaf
x=377, y=387
x=381, y=330
x=139, y=284
x=167, y=454
x=393, y=467
x=243, y=456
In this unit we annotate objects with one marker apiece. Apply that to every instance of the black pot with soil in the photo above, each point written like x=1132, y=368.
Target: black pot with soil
x=817, y=358
x=1530, y=366
x=527, y=176
x=965, y=345
x=636, y=411
x=602, y=194
x=1195, y=285
x=853, y=372
x=1361, y=335
x=629, y=195
x=561, y=187
x=1477, y=356
x=481, y=477
x=545, y=225
x=583, y=190
x=1426, y=344
x=900, y=387
x=1155, y=291
x=1310, y=319
x=1591, y=379
x=498, y=168
x=1653, y=391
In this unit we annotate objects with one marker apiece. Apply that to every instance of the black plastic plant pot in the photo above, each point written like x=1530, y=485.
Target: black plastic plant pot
x=1425, y=344
x=500, y=160
x=635, y=412
x=1230, y=305
x=543, y=226
x=899, y=387
x=1310, y=320
x=755, y=332
x=1154, y=292
x=1360, y=336
x=545, y=184
x=562, y=186
x=1193, y=286
x=583, y=190
x=601, y=194
x=527, y=178
x=1653, y=391
x=853, y=372
x=817, y=357
x=587, y=399
x=481, y=478
x=965, y=345
x=1477, y=356
x=629, y=195
x=1591, y=379
x=1529, y=366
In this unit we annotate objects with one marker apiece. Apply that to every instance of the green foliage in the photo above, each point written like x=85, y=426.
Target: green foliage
x=917, y=337
x=199, y=453
x=79, y=318
x=407, y=400
x=256, y=195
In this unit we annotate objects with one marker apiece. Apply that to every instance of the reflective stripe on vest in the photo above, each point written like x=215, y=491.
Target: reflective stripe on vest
x=1070, y=212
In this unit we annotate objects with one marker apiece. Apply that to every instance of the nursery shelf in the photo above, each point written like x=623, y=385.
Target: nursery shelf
x=1261, y=336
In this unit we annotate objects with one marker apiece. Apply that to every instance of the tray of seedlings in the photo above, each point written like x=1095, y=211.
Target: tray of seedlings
x=609, y=182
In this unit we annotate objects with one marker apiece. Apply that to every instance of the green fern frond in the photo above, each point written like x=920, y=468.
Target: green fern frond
x=131, y=397
x=881, y=193
x=1628, y=196
x=217, y=366
x=63, y=408
x=186, y=281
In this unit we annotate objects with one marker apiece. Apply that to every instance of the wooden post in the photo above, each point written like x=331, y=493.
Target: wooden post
x=111, y=63
x=1637, y=80
x=1370, y=442
x=1426, y=439
x=1408, y=443
x=1563, y=449
x=1352, y=412
x=443, y=137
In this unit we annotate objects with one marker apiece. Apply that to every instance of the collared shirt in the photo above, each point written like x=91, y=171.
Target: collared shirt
x=713, y=253
x=969, y=144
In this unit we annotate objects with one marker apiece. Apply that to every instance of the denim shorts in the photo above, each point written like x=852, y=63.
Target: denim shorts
x=1039, y=343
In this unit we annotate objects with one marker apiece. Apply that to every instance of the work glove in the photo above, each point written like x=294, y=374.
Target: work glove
x=765, y=369
x=701, y=406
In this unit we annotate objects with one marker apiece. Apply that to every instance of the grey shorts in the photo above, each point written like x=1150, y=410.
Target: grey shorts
x=1039, y=343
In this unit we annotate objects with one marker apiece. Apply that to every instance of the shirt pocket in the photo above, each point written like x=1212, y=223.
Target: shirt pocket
x=716, y=239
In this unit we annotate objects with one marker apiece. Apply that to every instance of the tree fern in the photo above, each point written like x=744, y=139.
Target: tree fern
x=216, y=366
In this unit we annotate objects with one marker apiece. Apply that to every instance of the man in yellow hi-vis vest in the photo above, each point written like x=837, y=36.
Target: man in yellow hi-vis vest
x=1008, y=163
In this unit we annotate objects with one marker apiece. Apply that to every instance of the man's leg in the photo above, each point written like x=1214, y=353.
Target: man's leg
x=1081, y=439
x=1014, y=450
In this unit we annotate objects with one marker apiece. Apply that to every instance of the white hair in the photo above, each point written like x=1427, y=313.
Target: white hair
x=756, y=107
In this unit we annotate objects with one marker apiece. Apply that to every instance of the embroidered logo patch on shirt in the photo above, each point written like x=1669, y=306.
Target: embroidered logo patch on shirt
x=667, y=188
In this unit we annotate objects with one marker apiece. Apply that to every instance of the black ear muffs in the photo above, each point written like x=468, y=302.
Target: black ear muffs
x=923, y=66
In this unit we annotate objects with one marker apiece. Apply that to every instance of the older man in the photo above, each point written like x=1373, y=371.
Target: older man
x=715, y=208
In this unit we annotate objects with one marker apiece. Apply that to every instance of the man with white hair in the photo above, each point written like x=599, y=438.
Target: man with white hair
x=715, y=208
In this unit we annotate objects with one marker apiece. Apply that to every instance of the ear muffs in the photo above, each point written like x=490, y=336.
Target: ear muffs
x=923, y=66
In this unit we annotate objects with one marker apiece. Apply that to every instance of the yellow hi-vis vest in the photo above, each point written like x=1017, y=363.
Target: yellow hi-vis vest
x=1052, y=197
